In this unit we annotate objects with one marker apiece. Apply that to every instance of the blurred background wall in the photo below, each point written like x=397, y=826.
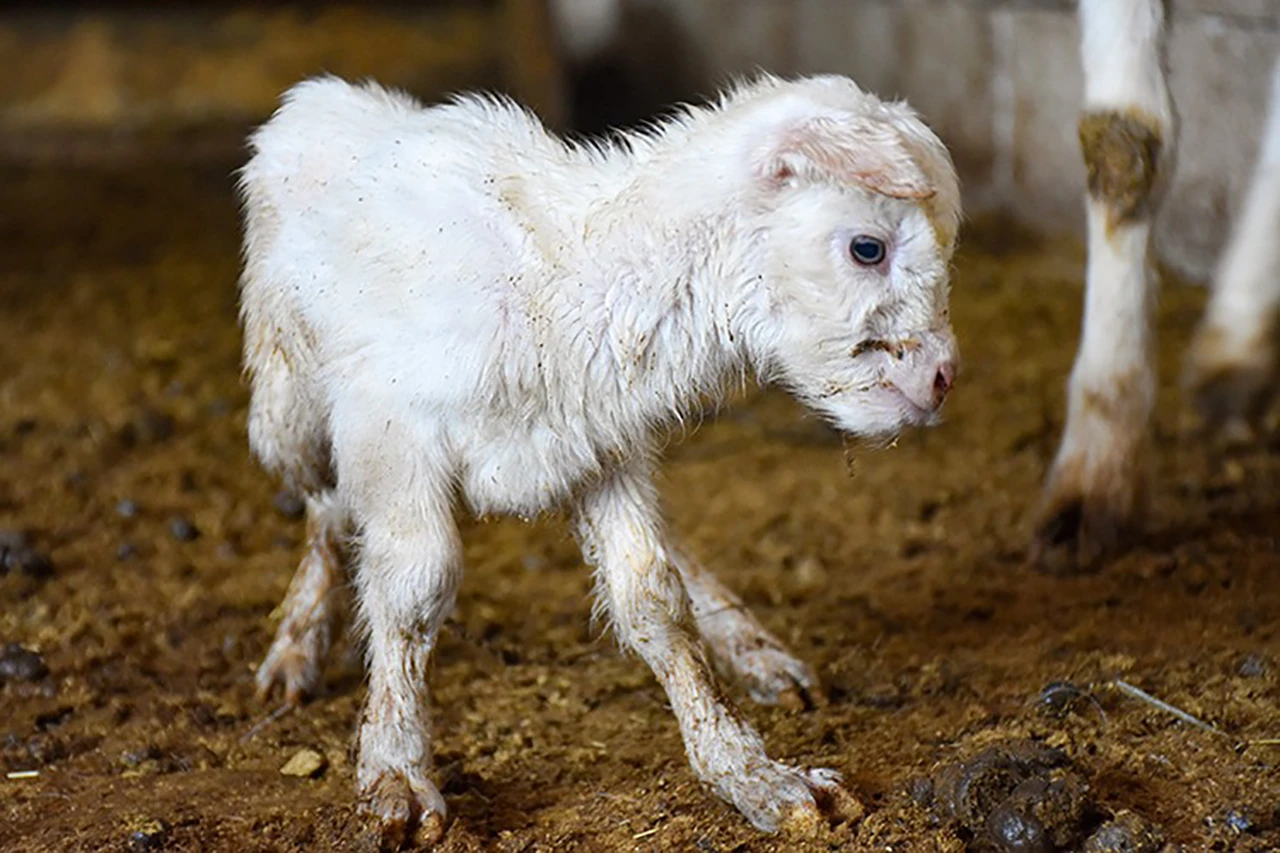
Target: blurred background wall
x=999, y=79
x=102, y=80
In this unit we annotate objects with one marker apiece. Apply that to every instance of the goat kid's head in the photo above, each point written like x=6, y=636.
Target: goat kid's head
x=856, y=207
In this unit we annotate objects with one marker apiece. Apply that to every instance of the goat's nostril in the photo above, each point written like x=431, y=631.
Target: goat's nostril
x=942, y=382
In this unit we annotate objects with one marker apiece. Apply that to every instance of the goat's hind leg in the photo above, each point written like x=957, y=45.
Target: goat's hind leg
x=1232, y=365
x=313, y=606
x=1095, y=493
x=740, y=644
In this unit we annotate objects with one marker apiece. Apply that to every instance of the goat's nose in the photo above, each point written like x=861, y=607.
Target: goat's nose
x=943, y=381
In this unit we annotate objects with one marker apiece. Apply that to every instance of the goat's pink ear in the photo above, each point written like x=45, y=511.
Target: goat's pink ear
x=872, y=155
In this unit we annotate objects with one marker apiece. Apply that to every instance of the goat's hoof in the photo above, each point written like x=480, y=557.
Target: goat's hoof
x=1230, y=387
x=1082, y=525
x=294, y=665
x=830, y=805
x=773, y=676
x=747, y=653
x=777, y=797
x=407, y=814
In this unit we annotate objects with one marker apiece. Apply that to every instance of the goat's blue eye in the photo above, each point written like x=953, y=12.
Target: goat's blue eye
x=867, y=251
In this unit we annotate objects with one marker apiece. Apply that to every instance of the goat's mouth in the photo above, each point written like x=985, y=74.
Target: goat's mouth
x=885, y=391
x=913, y=413
x=876, y=409
x=914, y=374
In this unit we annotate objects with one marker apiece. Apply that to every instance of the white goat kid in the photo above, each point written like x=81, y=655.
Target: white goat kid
x=451, y=304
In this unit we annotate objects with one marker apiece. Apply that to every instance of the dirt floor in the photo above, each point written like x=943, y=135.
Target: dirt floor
x=155, y=553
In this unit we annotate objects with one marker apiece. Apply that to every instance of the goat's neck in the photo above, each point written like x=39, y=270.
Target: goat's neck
x=683, y=283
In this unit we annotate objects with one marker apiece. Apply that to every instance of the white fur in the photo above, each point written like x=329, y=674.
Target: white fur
x=1248, y=281
x=449, y=303
x=1235, y=347
x=1121, y=45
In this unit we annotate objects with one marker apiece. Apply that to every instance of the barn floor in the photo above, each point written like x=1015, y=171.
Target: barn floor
x=123, y=458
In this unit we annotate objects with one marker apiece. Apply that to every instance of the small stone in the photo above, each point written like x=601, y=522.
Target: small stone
x=306, y=763
x=290, y=505
x=1240, y=820
x=126, y=551
x=1253, y=666
x=182, y=529
x=20, y=664
x=1057, y=698
x=810, y=574
x=1127, y=832
x=148, y=834
x=126, y=509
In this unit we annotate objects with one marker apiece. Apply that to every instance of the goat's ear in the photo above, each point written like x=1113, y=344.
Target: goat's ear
x=856, y=151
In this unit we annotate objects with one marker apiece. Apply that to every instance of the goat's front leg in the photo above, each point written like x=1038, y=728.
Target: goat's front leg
x=1233, y=360
x=1096, y=489
x=740, y=644
x=407, y=574
x=621, y=533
